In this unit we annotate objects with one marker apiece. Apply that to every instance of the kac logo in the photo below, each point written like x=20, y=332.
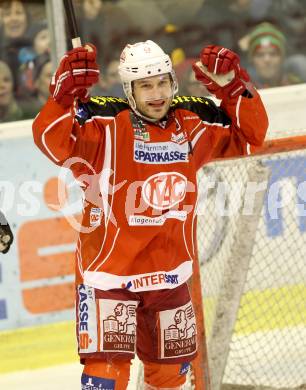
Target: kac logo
x=164, y=190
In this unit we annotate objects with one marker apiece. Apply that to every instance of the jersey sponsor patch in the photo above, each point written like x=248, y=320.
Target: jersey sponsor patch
x=164, y=190
x=143, y=220
x=94, y=383
x=95, y=216
x=178, y=332
x=190, y=117
x=141, y=135
x=160, y=152
x=103, y=100
x=179, y=138
x=148, y=281
x=87, y=319
x=157, y=280
x=118, y=325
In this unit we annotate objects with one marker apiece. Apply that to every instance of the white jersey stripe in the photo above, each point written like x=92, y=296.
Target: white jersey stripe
x=184, y=235
x=104, y=186
x=238, y=110
x=43, y=137
x=216, y=124
x=194, y=129
x=197, y=137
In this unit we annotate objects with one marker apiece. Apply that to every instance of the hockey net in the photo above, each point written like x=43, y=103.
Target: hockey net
x=252, y=248
x=252, y=251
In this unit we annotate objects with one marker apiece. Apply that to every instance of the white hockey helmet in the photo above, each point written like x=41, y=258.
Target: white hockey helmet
x=143, y=59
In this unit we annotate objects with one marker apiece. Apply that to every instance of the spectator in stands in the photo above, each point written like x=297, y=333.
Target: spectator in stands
x=290, y=15
x=146, y=19
x=14, y=19
x=9, y=108
x=42, y=76
x=41, y=39
x=42, y=73
x=14, y=35
x=294, y=25
x=168, y=37
x=296, y=64
x=112, y=80
x=28, y=56
x=91, y=8
x=188, y=85
x=224, y=22
x=191, y=87
x=267, y=51
x=109, y=82
x=105, y=25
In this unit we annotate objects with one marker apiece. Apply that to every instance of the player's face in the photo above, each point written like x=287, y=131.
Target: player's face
x=153, y=95
x=268, y=62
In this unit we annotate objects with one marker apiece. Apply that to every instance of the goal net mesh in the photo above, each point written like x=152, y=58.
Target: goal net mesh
x=253, y=270
x=251, y=236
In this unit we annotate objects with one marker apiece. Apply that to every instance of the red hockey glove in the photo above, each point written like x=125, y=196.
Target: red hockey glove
x=78, y=71
x=220, y=72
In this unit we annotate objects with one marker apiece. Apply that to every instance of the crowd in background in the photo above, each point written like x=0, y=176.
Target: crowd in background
x=269, y=35
x=25, y=64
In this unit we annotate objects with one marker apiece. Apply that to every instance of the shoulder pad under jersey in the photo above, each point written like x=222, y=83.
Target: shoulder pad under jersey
x=205, y=108
x=105, y=106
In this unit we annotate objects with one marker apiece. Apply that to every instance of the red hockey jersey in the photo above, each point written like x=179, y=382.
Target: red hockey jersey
x=138, y=225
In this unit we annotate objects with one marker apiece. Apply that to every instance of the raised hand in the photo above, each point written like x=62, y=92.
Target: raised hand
x=220, y=72
x=78, y=71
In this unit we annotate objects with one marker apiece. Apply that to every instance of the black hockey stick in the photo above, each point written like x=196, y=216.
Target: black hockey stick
x=72, y=24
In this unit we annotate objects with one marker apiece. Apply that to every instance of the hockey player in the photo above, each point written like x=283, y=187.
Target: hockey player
x=137, y=159
x=6, y=235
